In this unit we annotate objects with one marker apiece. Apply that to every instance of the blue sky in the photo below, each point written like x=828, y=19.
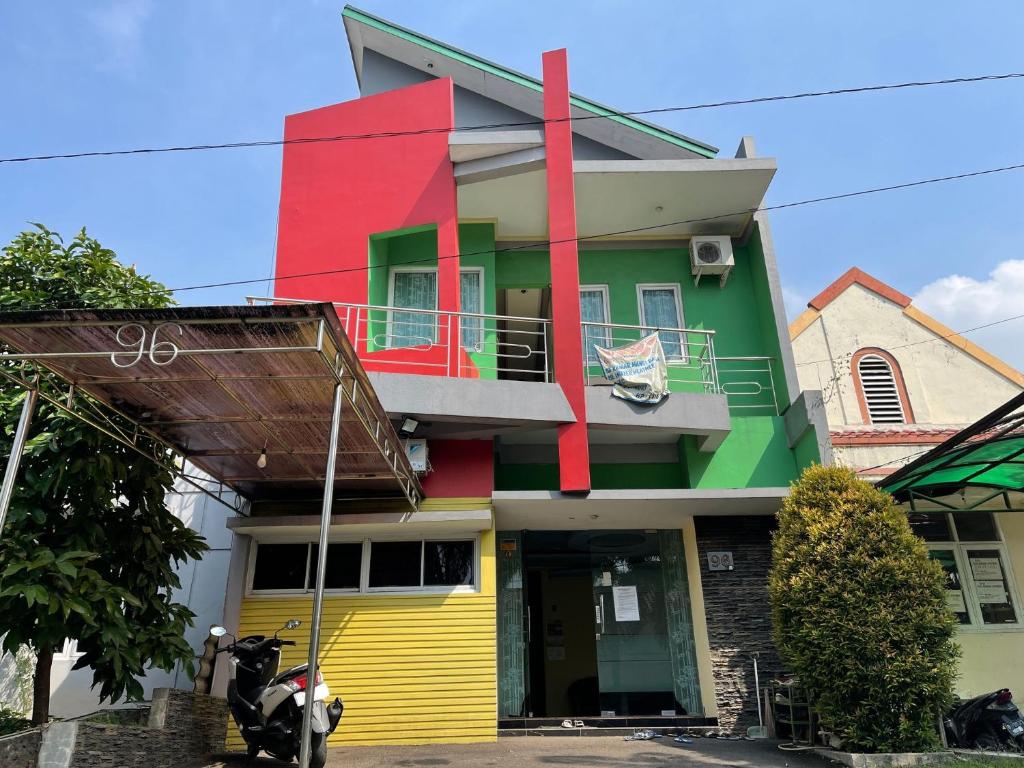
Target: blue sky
x=124, y=73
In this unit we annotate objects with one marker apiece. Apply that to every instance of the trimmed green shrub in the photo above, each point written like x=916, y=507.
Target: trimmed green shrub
x=859, y=613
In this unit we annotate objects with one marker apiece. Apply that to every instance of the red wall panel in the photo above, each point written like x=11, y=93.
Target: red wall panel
x=462, y=468
x=335, y=194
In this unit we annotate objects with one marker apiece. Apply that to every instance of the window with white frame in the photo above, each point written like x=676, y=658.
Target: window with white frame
x=881, y=395
x=416, y=288
x=377, y=565
x=594, y=309
x=661, y=306
x=979, y=583
x=471, y=297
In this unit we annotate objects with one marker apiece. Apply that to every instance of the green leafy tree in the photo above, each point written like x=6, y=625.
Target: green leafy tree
x=860, y=613
x=89, y=548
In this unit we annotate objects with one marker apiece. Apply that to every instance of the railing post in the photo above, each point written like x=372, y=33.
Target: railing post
x=17, y=448
x=318, y=594
x=716, y=386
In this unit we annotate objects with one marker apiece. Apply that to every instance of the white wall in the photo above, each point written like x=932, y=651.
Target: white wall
x=946, y=386
x=202, y=590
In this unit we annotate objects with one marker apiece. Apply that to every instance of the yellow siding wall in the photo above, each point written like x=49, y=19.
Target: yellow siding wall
x=411, y=669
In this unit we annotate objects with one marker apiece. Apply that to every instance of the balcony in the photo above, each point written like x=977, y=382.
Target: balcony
x=693, y=366
x=471, y=375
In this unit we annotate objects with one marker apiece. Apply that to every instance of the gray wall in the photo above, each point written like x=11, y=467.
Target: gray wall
x=383, y=74
x=737, y=613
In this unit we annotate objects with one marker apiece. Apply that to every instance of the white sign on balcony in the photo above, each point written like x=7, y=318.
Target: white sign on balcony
x=638, y=370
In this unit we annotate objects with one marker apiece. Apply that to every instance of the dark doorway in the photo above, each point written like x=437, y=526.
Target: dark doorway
x=562, y=648
x=523, y=343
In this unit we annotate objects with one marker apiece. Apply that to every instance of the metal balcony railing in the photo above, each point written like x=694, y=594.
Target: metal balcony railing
x=472, y=344
x=458, y=344
x=693, y=366
x=690, y=354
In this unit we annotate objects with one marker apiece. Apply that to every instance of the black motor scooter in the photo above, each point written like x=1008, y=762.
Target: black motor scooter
x=267, y=707
x=990, y=722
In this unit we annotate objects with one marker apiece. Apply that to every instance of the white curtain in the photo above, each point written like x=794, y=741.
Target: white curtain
x=661, y=311
x=592, y=310
x=470, y=301
x=415, y=290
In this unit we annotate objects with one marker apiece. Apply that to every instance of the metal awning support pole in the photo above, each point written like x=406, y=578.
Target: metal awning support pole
x=321, y=570
x=17, y=447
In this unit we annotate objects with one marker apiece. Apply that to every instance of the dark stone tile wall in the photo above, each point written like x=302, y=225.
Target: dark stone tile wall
x=20, y=749
x=738, y=614
x=183, y=728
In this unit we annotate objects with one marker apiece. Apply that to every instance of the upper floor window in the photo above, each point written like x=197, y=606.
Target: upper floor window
x=880, y=389
x=416, y=288
x=594, y=309
x=661, y=307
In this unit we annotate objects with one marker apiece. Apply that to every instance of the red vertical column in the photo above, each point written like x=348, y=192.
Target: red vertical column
x=573, y=451
x=448, y=290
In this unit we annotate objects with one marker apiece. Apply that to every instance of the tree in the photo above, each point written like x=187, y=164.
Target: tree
x=859, y=613
x=89, y=548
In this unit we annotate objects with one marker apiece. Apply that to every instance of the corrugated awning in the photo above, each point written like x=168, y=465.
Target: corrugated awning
x=981, y=467
x=220, y=385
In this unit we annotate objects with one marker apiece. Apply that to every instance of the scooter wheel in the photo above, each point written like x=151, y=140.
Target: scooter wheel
x=988, y=742
x=318, y=750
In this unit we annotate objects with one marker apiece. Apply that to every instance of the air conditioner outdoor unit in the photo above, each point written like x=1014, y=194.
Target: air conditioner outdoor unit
x=711, y=255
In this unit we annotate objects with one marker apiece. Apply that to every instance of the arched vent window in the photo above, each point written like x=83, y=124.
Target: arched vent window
x=882, y=395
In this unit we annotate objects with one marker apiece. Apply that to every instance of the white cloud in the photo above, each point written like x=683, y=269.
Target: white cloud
x=964, y=302
x=120, y=25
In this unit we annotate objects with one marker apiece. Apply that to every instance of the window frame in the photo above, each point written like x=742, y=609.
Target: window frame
x=478, y=321
x=389, y=335
x=601, y=288
x=898, y=381
x=960, y=550
x=676, y=288
x=364, y=588
x=392, y=271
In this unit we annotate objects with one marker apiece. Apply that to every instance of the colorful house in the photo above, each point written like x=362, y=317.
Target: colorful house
x=898, y=384
x=578, y=556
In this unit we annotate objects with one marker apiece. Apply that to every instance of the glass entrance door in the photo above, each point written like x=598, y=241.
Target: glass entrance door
x=646, y=658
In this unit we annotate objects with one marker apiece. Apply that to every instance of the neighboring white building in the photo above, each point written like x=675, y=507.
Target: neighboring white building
x=202, y=590
x=896, y=383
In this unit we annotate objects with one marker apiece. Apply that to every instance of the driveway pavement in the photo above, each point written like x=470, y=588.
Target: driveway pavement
x=554, y=751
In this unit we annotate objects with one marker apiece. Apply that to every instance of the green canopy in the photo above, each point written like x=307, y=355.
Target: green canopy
x=979, y=467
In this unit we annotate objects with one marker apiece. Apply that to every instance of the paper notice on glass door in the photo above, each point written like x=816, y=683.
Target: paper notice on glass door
x=627, y=606
x=986, y=569
x=990, y=592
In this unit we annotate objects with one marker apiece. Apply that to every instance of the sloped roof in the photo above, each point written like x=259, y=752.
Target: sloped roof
x=855, y=276
x=470, y=71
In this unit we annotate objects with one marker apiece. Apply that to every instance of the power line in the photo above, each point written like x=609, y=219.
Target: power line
x=924, y=341
x=532, y=245
x=635, y=230
x=604, y=114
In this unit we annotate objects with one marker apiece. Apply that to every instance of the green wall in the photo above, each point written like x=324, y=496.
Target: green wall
x=755, y=454
x=806, y=452
x=544, y=477
x=418, y=247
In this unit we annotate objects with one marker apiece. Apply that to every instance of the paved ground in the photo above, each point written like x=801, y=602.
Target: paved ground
x=578, y=752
